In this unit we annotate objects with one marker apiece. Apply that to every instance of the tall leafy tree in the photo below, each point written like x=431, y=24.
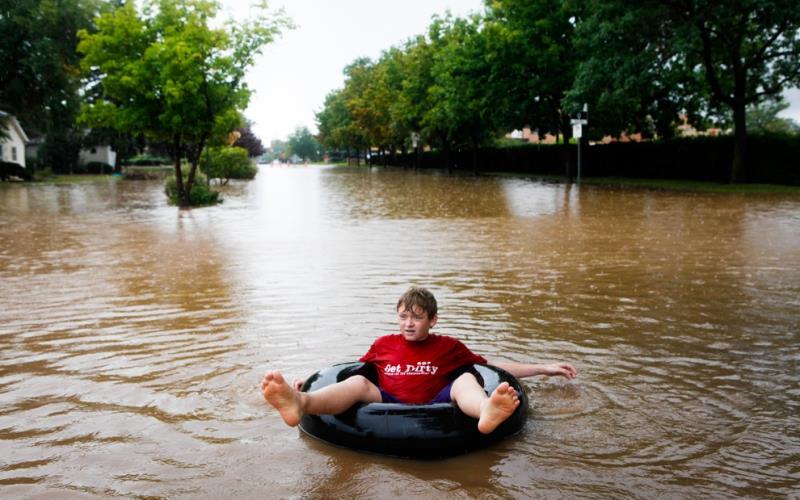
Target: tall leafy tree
x=764, y=118
x=383, y=91
x=413, y=99
x=332, y=122
x=366, y=119
x=749, y=51
x=462, y=94
x=347, y=120
x=338, y=130
x=39, y=69
x=536, y=61
x=628, y=72
x=167, y=73
x=302, y=143
x=706, y=56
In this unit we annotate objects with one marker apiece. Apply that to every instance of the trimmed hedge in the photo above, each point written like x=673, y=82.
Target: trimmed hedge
x=773, y=159
x=147, y=161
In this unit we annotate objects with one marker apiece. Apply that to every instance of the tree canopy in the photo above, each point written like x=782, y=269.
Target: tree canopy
x=303, y=144
x=39, y=69
x=641, y=67
x=249, y=141
x=167, y=73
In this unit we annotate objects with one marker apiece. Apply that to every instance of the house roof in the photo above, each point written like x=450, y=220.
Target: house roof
x=12, y=121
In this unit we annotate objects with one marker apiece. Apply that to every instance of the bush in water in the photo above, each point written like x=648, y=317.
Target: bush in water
x=225, y=163
x=201, y=194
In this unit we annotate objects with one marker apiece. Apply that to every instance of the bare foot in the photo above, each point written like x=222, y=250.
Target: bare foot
x=282, y=397
x=496, y=410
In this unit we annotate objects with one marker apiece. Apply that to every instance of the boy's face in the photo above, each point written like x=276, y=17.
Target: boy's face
x=414, y=324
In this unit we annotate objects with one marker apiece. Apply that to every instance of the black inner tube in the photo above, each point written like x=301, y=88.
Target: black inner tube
x=428, y=431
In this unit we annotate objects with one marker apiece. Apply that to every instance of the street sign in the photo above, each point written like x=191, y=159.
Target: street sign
x=576, y=130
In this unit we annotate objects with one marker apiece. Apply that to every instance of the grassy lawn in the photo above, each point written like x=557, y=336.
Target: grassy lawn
x=78, y=179
x=668, y=185
x=696, y=186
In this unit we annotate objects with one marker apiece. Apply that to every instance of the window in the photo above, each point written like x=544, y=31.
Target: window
x=13, y=153
x=94, y=150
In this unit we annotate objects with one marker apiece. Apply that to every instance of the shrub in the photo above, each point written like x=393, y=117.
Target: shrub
x=42, y=174
x=201, y=194
x=227, y=163
x=147, y=160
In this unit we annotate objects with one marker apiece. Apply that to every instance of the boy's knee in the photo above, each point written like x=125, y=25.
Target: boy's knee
x=361, y=383
x=466, y=378
x=466, y=385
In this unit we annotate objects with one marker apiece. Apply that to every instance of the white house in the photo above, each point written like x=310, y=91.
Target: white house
x=12, y=144
x=102, y=154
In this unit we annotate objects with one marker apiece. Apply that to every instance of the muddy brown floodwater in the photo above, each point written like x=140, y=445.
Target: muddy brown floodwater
x=134, y=335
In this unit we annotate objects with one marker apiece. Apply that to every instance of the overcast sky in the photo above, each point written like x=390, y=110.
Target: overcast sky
x=296, y=72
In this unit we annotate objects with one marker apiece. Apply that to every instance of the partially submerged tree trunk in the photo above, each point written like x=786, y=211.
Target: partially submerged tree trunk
x=176, y=160
x=448, y=160
x=474, y=156
x=740, y=134
x=566, y=134
x=194, y=161
x=118, y=164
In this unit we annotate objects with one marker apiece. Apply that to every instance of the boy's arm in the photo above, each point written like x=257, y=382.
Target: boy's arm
x=520, y=370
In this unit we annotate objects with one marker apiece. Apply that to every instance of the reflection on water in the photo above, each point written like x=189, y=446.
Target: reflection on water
x=133, y=334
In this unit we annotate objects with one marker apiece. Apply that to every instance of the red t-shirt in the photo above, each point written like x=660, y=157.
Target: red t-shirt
x=415, y=372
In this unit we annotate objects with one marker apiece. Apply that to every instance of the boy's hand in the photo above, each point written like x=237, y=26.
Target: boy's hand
x=565, y=370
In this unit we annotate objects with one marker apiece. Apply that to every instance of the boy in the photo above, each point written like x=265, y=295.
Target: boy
x=414, y=366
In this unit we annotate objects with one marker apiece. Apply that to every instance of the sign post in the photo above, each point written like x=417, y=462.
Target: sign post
x=415, y=144
x=577, y=132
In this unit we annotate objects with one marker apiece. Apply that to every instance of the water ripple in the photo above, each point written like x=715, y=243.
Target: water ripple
x=133, y=335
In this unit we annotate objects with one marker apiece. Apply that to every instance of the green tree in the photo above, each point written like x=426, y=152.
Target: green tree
x=366, y=102
x=413, y=99
x=168, y=74
x=748, y=50
x=338, y=129
x=463, y=99
x=708, y=56
x=419, y=89
x=392, y=73
x=627, y=72
x=226, y=162
x=277, y=150
x=39, y=74
x=764, y=118
x=535, y=61
x=363, y=125
x=303, y=144
x=332, y=122
x=373, y=106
